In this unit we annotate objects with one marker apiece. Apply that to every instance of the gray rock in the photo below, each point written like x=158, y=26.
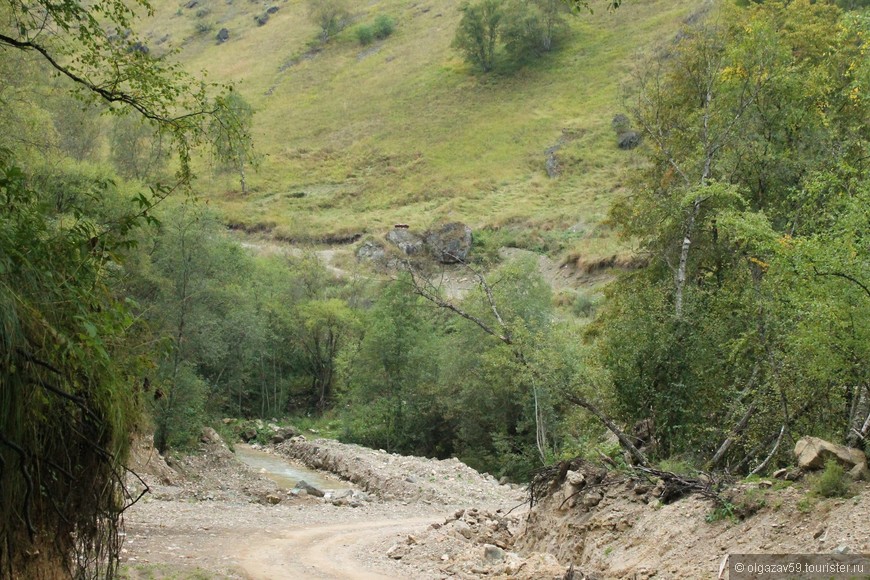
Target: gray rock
x=463, y=529
x=492, y=553
x=628, y=140
x=304, y=485
x=410, y=243
x=371, y=251
x=261, y=19
x=621, y=123
x=860, y=472
x=272, y=10
x=359, y=496
x=575, y=479
x=282, y=434
x=248, y=434
x=450, y=243
x=223, y=35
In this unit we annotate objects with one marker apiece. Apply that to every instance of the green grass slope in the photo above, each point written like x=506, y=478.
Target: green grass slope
x=357, y=138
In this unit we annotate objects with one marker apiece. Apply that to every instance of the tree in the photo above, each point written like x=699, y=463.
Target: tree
x=325, y=327
x=230, y=132
x=137, y=149
x=753, y=129
x=68, y=389
x=531, y=28
x=331, y=16
x=478, y=32
x=69, y=378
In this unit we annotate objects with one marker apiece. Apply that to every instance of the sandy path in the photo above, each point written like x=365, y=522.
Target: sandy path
x=325, y=551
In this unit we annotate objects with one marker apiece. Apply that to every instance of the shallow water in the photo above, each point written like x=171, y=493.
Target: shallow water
x=283, y=473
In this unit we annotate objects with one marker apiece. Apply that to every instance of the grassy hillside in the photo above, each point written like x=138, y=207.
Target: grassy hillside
x=356, y=138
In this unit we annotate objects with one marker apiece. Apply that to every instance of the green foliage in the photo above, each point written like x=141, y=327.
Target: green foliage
x=832, y=481
x=137, y=149
x=230, y=130
x=749, y=211
x=365, y=34
x=331, y=16
x=532, y=28
x=67, y=401
x=478, y=32
x=383, y=26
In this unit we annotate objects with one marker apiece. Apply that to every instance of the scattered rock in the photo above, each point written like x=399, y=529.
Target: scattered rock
x=303, y=485
x=261, y=19
x=620, y=123
x=463, y=529
x=450, y=243
x=272, y=10
x=210, y=436
x=492, y=553
x=628, y=140
x=410, y=243
x=223, y=35
x=273, y=499
x=813, y=452
x=780, y=473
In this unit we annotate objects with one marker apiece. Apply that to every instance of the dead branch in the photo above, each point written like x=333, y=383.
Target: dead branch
x=423, y=287
x=636, y=454
x=763, y=465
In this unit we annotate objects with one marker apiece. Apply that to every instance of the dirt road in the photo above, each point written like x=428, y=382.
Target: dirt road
x=327, y=551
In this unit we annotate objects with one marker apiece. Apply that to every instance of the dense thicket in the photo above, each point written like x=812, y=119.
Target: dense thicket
x=70, y=369
x=751, y=319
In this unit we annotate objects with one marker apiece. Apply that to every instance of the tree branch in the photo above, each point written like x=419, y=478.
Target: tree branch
x=426, y=290
x=844, y=276
x=109, y=95
x=626, y=443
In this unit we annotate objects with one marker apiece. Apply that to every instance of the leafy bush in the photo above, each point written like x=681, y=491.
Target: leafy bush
x=384, y=26
x=584, y=306
x=832, y=482
x=365, y=34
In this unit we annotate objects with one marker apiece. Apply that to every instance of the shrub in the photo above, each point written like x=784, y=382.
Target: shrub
x=832, y=482
x=365, y=34
x=584, y=306
x=384, y=26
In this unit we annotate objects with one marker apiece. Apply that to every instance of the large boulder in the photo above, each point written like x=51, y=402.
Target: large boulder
x=813, y=453
x=410, y=243
x=450, y=243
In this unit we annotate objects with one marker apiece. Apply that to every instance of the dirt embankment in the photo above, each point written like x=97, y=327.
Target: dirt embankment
x=615, y=525
x=395, y=477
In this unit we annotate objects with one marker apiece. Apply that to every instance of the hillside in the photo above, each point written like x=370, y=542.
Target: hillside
x=356, y=138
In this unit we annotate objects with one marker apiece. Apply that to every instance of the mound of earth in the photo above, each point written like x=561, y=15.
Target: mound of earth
x=399, y=477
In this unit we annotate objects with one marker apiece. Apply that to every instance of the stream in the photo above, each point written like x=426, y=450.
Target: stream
x=284, y=473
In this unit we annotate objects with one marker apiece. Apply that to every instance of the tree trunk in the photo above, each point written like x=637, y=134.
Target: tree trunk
x=626, y=443
x=684, y=258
